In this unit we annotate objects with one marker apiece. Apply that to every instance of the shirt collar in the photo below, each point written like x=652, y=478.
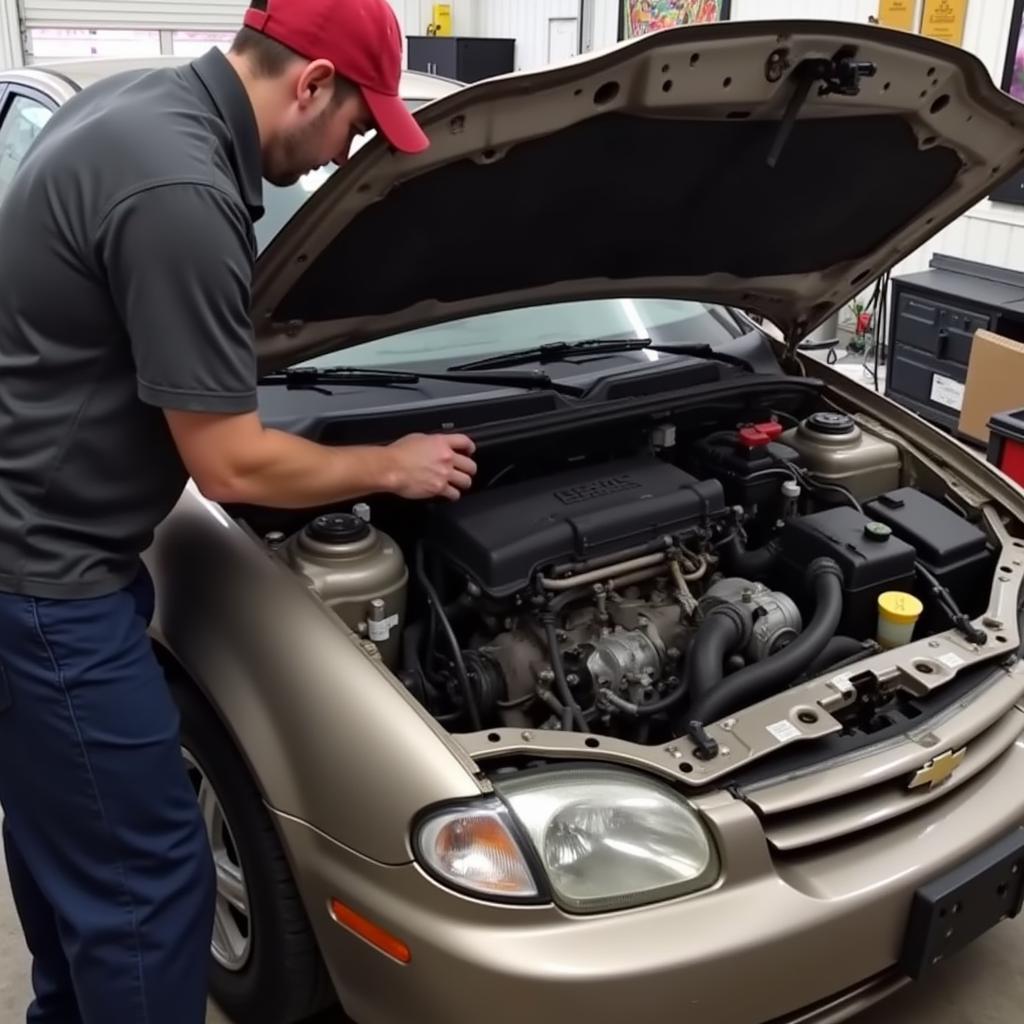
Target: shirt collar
x=235, y=108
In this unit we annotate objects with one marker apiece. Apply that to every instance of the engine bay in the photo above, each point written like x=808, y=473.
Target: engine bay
x=658, y=587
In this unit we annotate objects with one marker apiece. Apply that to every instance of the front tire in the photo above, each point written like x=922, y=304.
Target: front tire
x=266, y=967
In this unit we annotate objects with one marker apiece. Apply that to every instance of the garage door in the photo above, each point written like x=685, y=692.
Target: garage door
x=223, y=15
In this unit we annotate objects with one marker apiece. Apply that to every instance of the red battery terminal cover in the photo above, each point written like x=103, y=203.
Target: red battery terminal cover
x=758, y=435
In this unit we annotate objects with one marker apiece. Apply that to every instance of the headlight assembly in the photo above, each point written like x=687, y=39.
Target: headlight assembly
x=605, y=839
x=610, y=839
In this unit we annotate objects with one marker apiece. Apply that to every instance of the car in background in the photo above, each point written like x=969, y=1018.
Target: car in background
x=28, y=97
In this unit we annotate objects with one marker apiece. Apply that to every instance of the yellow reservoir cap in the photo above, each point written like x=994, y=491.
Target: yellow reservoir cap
x=897, y=607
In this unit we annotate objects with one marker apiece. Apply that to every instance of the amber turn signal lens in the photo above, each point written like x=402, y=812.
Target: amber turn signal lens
x=474, y=849
x=372, y=933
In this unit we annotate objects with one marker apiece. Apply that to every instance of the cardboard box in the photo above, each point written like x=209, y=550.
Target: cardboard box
x=995, y=382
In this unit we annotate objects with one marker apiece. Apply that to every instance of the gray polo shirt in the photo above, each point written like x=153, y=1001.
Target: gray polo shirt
x=125, y=273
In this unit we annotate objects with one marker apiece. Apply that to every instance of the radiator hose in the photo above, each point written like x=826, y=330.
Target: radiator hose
x=840, y=650
x=713, y=699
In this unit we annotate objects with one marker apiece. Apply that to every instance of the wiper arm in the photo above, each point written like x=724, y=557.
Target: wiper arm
x=303, y=378
x=312, y=378
x=561, y=349
x=704, y=351
x=555, y=351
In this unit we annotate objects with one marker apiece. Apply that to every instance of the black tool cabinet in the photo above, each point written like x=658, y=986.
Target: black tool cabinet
x=462, y=58
x=934, y=316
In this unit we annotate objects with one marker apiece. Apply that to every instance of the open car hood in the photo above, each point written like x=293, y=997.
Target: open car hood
x=648, y=170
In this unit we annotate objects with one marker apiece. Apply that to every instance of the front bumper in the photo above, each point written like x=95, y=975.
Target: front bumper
x=806, y=939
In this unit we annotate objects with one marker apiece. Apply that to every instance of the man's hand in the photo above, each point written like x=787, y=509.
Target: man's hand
x=235, y=459
x=431, y=466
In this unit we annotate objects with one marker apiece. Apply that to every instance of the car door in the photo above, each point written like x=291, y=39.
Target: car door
x=23, y=113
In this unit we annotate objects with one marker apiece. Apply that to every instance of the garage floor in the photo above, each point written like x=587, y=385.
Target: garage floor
x=985, y=985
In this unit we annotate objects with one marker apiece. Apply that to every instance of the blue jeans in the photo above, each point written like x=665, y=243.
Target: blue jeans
x=107, y=854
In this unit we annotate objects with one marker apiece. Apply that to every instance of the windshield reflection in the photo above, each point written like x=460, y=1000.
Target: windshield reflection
x=664, y=321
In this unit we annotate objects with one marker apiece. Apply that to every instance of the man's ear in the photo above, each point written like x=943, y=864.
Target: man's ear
x=316, y=79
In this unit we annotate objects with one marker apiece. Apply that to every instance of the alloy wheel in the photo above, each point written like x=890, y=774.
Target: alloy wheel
x=231, y=944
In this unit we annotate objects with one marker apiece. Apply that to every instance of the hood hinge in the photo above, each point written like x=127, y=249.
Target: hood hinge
x=792, y=339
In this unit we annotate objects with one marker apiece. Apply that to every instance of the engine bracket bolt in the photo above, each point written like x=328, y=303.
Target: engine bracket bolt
x=527, y=735
x=728, y=725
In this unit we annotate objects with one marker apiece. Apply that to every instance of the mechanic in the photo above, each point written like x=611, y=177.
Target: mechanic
x=127, y=366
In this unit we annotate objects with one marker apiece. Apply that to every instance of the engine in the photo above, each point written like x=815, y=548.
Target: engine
x=632, y=596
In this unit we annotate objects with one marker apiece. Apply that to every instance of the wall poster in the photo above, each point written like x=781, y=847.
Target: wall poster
x=897, y=14
x=639, y=17
x=1012, y=191
x=944, y=20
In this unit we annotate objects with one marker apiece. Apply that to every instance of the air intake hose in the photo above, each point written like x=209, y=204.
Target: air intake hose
x=726, y=629
x=755, y=682
x=749, y=563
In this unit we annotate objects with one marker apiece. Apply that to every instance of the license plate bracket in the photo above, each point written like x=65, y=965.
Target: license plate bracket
x=953, y=911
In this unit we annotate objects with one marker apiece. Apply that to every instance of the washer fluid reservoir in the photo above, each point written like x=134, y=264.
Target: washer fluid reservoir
x=836, y=450
x=358, y=572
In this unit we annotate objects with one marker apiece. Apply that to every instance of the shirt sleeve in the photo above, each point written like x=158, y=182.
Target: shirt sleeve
x=178, y=259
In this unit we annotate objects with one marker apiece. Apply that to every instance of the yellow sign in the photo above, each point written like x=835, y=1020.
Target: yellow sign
x=944, y=20
x=441, y=20
x=897, y=14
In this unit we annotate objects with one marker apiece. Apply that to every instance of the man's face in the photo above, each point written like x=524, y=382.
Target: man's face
x=317, y=129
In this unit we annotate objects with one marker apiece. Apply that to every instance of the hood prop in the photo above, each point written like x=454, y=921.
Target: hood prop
x=839, y=75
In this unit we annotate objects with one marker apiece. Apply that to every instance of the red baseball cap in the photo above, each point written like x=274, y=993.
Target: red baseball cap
x=362, y=39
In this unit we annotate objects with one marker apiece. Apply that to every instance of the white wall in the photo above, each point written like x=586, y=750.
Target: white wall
x=526, y=21
x=834, y=10
x=11, y=54
x=606, y=23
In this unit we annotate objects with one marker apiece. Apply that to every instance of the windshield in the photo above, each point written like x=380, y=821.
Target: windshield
x=281, y=204
x=664, y=321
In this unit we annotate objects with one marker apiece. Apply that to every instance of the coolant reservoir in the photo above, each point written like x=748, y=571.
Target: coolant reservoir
x=358, y=572
x=898, y=614
x=836, y=450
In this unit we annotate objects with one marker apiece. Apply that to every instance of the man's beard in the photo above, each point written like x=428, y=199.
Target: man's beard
x=294, y=155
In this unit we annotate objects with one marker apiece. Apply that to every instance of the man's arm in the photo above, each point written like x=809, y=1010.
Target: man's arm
x=234, y=458
x=186, y=309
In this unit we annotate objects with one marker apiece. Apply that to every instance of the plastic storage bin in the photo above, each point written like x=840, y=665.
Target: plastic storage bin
x=1006, y=443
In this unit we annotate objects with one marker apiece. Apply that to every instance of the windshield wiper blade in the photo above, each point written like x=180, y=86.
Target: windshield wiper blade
x=556, y=351
x=308, y=378
x=312, y=378
x=561, y=349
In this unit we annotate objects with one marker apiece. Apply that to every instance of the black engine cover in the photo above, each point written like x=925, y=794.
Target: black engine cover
x=501, y=537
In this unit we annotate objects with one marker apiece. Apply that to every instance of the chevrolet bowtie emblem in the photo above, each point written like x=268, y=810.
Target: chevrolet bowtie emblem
x=938, y=769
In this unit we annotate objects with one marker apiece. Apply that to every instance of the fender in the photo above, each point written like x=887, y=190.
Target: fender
x=331, y=736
